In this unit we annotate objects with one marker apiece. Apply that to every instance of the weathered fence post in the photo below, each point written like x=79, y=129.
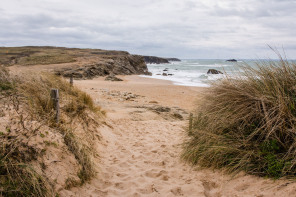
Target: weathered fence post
x=71, y=80
x=54, y=93
x=190, y=123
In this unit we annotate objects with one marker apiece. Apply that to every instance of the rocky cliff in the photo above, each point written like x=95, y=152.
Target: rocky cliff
x=118, y=65
x=80, y=63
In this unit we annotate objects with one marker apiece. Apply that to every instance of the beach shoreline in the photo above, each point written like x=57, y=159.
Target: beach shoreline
x=162, y=91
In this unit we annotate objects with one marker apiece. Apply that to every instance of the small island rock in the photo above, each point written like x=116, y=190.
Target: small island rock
x=231, y=60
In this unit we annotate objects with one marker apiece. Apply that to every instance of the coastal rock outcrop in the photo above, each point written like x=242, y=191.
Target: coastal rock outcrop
x=79, y=63
x=159, y=60
x=173, y=59
x=118, y=65
x=214, y=71
x=155, y=60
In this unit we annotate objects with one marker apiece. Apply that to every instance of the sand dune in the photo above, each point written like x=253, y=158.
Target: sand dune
x=141, y=147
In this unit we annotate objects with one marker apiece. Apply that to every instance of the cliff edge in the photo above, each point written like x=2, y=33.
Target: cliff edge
x=79, y=63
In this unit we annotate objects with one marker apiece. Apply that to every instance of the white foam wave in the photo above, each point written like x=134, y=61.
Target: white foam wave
x=189, y=72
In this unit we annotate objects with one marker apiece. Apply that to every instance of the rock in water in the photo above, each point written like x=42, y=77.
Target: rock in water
x=231, y=60
x=214, y=71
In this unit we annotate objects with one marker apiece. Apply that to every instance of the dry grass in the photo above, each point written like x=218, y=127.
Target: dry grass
x=5, y=81
x=248, y=123
x=33, y=55
x=82, y=154
x=30, y=99
x=74, y=102
x=47, y=59
x=17, y=176
x=36, y=55
x=77, y=107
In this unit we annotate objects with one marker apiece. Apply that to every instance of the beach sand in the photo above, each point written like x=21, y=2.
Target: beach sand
x=142, y=142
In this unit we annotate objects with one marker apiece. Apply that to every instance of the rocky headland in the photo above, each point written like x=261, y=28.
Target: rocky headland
x=79, y=63
x=117, y=65
x=159, y=60
x=173, y=59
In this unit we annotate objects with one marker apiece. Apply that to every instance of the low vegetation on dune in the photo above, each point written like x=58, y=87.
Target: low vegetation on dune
x=44, y=55
x=29, y=132
x=248, y=123
x=37, y=55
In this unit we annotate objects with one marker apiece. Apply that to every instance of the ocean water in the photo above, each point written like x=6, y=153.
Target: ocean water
x=193, y=72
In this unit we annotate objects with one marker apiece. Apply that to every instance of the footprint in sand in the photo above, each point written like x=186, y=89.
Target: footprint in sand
x=155, y=173
x=121, y=185
x=124, y=165
x=148, y=189
x=210, y=189
x=242, y=187
x=100, y=193
x=105, y=184
x=122, y=175
x=177, y=191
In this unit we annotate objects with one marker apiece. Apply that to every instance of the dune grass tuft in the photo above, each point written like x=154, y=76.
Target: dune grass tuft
x=30, y=98
x=76, y=107
x=74, y=102
x=18, y=178
x=5, y=81
x=248, y=123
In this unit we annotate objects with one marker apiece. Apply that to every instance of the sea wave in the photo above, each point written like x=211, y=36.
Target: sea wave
x=191, y=72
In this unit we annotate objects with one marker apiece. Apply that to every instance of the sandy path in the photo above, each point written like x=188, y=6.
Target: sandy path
x=140, y=153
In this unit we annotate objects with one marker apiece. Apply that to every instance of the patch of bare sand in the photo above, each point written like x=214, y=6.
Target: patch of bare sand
x=140, y=155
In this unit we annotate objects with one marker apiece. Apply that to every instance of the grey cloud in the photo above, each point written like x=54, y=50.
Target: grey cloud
x=200, y=29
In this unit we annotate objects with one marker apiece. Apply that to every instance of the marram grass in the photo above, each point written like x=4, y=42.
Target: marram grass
x=31, y=96
x=248, y=123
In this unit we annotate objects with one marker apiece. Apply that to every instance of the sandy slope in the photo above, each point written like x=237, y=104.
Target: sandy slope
x=140, y=155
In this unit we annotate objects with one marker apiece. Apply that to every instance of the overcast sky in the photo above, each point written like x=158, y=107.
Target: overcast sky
x=168, y=28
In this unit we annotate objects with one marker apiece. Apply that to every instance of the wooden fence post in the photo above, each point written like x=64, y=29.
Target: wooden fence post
x=54, y=93
x=71, y=80
x=190, y=123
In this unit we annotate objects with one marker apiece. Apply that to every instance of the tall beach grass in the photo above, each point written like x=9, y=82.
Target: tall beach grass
x=29, y=99
x=248, y=123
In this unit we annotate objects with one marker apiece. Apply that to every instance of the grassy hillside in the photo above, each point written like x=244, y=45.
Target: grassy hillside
x=34, y=148
x=248, y=123
x=31, y=55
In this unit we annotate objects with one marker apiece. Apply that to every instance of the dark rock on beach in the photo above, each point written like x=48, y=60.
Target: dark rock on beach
x=214, y=71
